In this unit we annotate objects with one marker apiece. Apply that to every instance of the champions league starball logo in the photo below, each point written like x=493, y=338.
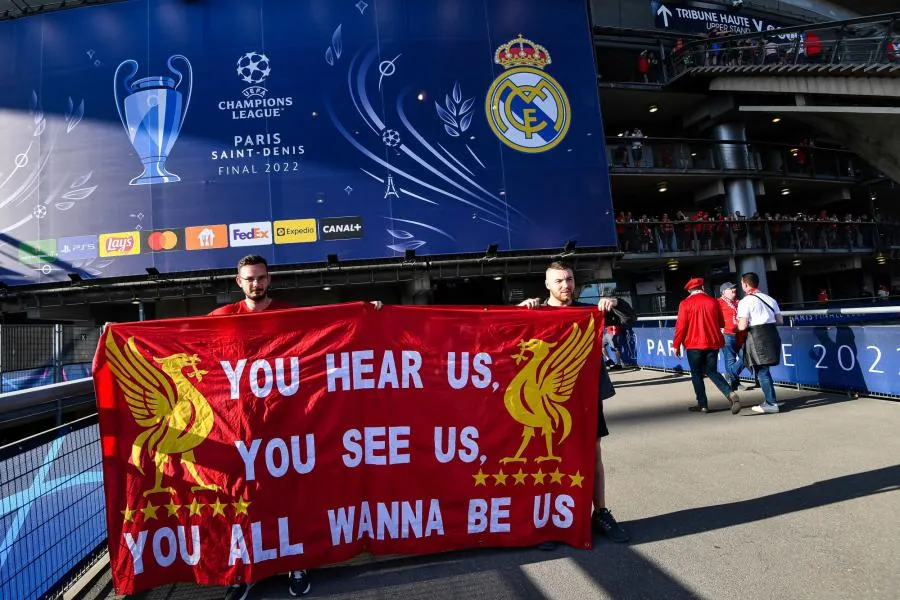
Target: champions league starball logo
x=254, y=68
x=527, y=108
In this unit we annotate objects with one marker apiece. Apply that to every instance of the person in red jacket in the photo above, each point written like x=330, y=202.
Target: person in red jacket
x=699, y=329
x=734, y=339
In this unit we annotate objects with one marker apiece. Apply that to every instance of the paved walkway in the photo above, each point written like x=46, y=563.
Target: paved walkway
x=804, y=504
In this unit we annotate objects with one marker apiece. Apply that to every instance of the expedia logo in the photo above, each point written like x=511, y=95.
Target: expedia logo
x=120, y=244
x=250, y=234
x=342, y=228
x=295, y=231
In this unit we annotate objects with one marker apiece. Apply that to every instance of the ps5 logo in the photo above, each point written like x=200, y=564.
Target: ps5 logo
x=254, y=68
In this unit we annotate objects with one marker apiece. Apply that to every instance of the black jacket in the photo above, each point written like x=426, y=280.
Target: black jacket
x=621, y=314
x=763, y=347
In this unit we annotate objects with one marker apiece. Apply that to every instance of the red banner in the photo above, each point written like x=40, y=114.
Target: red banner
x=239, y=447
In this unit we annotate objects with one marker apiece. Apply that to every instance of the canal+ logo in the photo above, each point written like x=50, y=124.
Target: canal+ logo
x=254, y=68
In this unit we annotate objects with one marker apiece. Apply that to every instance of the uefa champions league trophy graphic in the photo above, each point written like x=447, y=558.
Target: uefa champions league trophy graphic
x=154, y=112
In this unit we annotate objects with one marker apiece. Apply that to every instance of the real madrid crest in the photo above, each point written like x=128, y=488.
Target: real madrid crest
x=526, y=108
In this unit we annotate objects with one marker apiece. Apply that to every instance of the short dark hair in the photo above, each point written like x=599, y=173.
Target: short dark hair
x=559, y=266
x=751, y=279
x=253, y=259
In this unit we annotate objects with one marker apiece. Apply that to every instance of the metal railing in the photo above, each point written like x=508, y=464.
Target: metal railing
x=36, y=355
x=677, y=155
x=52, y=508
x=752, y=235
x=862, y=41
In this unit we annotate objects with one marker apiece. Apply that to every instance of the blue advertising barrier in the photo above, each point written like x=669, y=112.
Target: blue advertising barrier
x=183, y=136
x=52, y=509
x=862, y=359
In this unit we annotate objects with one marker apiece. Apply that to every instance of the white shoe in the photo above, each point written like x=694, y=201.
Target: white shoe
x=765, y=409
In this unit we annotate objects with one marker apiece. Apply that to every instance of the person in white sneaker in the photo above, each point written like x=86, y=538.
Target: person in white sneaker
x=759, y=315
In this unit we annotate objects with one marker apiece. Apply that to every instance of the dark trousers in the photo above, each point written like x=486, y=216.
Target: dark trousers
x=703, y=362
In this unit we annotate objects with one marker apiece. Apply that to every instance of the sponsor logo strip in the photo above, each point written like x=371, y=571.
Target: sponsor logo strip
x=250, y=234
x=206, y=237
x=295, y=231
x=37, y=251
x=123, y=243
x=163, y=240
x=79, y=247
x=342, y=228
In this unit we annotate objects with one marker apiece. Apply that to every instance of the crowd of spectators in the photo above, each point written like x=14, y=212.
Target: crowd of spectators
x=703, y=231
x=794, y=48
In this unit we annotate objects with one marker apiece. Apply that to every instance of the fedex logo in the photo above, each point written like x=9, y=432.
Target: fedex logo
x=250, y=234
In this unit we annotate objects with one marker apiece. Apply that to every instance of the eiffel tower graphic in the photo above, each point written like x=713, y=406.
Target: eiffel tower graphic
x=391, y=190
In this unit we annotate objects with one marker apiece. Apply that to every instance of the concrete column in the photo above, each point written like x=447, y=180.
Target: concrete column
x=739, y=193
x=418, y=291
x=757, y=265
x=796, y=292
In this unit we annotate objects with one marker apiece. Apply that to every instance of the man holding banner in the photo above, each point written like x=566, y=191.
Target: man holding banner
x=237, y=449
x=254, y=279
x=560, y=282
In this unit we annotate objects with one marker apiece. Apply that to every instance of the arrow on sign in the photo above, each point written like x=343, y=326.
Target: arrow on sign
x=665, y=12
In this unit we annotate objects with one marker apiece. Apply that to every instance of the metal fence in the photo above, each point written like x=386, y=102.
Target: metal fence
x=627, y=155
x=35, y=355
x=52, y=510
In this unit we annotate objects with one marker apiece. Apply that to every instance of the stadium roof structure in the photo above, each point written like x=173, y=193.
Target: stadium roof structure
x=13, y=9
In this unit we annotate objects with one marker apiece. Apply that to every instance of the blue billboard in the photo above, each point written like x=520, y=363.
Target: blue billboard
x=182, y=136
x=862, y=359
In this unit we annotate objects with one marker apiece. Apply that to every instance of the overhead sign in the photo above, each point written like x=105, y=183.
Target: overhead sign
x=137, y=126
x=688, y=18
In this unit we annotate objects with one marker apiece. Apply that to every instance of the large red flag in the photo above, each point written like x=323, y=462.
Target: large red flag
x=239, y=447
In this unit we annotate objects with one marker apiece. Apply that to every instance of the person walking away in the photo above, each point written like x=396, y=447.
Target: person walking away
x=759, y=314
x=734, y=339
x=699, y=329
x=611, y=337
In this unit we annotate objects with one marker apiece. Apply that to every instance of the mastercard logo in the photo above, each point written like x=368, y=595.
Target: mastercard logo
x=162, y=241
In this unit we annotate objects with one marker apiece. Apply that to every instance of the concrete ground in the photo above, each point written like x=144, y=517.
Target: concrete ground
x=803, y=504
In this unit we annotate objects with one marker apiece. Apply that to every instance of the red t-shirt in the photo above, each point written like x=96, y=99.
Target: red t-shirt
x=240, y=308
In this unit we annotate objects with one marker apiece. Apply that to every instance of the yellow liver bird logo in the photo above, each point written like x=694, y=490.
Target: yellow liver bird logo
x=536, y=394
x=175, y=416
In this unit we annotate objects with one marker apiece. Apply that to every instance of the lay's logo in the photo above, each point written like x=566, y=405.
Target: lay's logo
x=124, y=243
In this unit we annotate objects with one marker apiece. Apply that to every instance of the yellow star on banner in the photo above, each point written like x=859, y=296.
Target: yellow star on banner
x=539, y=476
x=556, y=476
x=218, y=507
x=240, y=507
x=173, y=508
x=129, y=514
x=195, y=507
x=577, y=478
x=499, y=478
x=480, y=478
x=520, y=477
x=149, y=511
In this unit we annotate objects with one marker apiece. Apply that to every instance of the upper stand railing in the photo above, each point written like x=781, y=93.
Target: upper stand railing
x=871, y=41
